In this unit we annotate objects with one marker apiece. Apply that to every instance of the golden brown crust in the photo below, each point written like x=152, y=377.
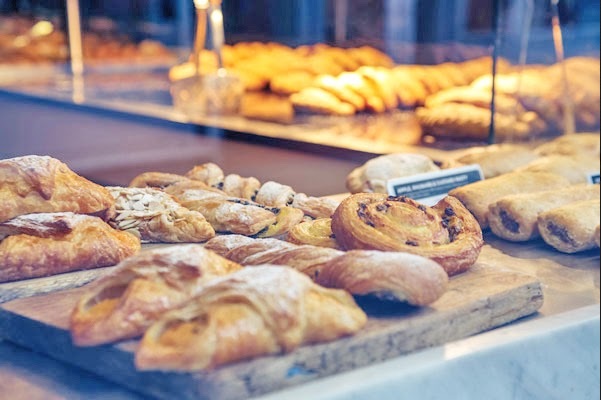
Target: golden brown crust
x=497, y=159
x=515, y=217
x=400, y=276
x=478, y=196
x=156, y=180
x=319, y=101
x=44, y=244
x=36, y=184
x=571, y=228
x=446, y=233
x=156, y=217
x=255, y=311
x=124, y=303
x=575, y=169
x=575, y=144
x=316, y=232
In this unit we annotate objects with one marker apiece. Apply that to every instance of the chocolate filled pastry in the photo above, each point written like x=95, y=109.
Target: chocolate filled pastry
x=571, y=228
x=156, y=217
x=446, y=233
x=317, y=232
x=478, y=196
x=42, y=184
x=386, y=275
x=122, y=304
x=37, y=245
x=515, y=217
x=253, y=312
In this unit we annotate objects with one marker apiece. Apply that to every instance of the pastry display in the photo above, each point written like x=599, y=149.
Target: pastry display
x=515, y=217
x=375, y=173
x=155, y=216
x=122, y=304
x=43, y=244
x=253, y=312
x=42, y=184
x=571, y=228
x=395, y=276
x=446, y=233
x=478, y=196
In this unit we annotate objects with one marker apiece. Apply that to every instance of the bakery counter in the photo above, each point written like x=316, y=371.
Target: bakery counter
x=552, y=354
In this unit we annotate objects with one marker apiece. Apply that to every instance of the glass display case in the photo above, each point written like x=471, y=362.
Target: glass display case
x=373, y=76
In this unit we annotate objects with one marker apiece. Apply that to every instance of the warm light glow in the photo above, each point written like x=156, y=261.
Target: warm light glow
x=42, y=28
x=202, y=4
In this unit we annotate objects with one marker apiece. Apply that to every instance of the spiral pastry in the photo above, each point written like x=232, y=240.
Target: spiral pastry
x=446, y=233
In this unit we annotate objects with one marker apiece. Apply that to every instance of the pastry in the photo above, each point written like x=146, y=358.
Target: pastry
x=122, y=304
x=156, y=180
x=387, y=275
x=340, y=90
x=575, y=169
x=253, y=312
x=319, y=101
x=40, y=184
x=375, y=173
x=208, y=173
x=571, y=228
x=316, y=232
x=273, y=194
x=478, y=196
x=401, y=277
x=380, y=80
x=496, y=159
x=37, y=245
x=291, y=82
x=515, y=217
x=574, y=144
x=446, y=233
x=156, y=217
x=358, y=83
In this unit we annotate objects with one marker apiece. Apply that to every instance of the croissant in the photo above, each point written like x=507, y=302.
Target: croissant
x=446, y=233
x=390, y=275
x=155, y=216
x=571, y=228
x=124, y=303
x=44, y=244
x=40, y=184
x=252, y=312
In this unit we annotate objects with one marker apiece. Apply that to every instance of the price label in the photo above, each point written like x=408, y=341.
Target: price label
x=431, y=187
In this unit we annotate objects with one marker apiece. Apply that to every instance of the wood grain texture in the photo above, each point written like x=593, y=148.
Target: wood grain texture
x=486, y=297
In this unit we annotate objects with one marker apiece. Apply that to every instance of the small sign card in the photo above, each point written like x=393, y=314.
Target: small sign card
x=431, y=187
x=593, y=178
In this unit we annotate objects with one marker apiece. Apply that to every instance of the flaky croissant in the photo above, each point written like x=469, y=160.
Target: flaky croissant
x=446, y=233
x=124, y=303
x=42, y=184
x=253, y=312
x=36, y=245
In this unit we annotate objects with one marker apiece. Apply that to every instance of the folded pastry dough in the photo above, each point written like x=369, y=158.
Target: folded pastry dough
x=156, y=217
x=389, y=275
x=403, y=277
x=574, y=144
x=446, y=233
x=316, y=232
x=515, y=217
x=253, y=312
x=44, y=244
x=38, y=184
x=571, y=228
x=575, y=168
x=124, y=303
x=478, y=196
x=496, y=159
x=156, y=180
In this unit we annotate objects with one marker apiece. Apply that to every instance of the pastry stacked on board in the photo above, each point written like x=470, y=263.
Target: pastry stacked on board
x=53, y=221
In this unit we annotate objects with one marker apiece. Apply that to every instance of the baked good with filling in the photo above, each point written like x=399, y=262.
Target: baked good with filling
x=44, y=244
x=122, y=304
x=496, y=159
x=446, y=233
x=571, y=228
x=575, y=168
x=42, y=184
x=515, y=217
x=252, y=312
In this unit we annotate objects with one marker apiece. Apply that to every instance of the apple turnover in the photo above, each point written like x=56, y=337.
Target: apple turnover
x=252, y=312
x=446, y=233
x=124, y=303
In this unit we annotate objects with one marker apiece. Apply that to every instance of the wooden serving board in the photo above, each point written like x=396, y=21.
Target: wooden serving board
x=488, y=296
